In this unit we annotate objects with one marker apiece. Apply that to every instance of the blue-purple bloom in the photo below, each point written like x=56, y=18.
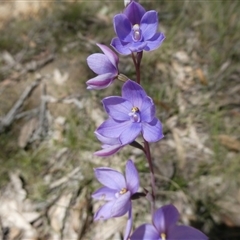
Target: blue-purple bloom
x=136, y=30
x=105, y=65
x=117, y=191
x=164, y=227
x=130, y=115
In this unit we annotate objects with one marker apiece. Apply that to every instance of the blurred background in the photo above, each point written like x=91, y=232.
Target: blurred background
x=47, y=118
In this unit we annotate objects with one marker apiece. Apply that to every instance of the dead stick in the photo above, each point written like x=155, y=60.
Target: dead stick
x=9, y=118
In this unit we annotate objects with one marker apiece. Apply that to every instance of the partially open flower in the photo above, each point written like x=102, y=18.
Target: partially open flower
x=105, y=65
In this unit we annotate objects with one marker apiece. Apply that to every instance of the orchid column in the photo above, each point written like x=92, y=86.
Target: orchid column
x=130, y=115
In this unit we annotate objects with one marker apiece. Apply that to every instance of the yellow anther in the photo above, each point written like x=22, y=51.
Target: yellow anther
x=124, y=190
x=135, y=109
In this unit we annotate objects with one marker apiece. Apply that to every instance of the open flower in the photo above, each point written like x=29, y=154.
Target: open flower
x=105, y=65
x=164, y=227
x=136, y=30
x=130, y=115
x=117, y=191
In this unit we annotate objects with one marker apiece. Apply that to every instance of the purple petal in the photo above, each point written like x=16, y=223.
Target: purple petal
x=145, y=232
x=108, y=151
x=113, y=129
x=120, y=47
x=185, y=233
x=130, y=132
x=165, y=217
x=104, y=212
x=129, y=224
x=152, y=132
x=100, y=64
x=137, y=46
x=117, y=107
x=147, y=110
x=121, y=205
x=104, y=193
x=134, y=93
x=100, y=81
x=110, y=178
x=149, y=24
x=134, y=12
x=112, y=56
x=122, y=27
x=132, y=177
x=154, y=42
x=107, y=141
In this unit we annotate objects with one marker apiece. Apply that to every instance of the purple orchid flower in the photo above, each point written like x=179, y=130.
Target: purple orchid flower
x=130, y=115
x=105, y=65
x=164, y=227
x=136, y=30
x=117, y=191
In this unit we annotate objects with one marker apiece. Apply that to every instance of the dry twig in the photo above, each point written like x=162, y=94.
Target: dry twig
x=11, y=115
